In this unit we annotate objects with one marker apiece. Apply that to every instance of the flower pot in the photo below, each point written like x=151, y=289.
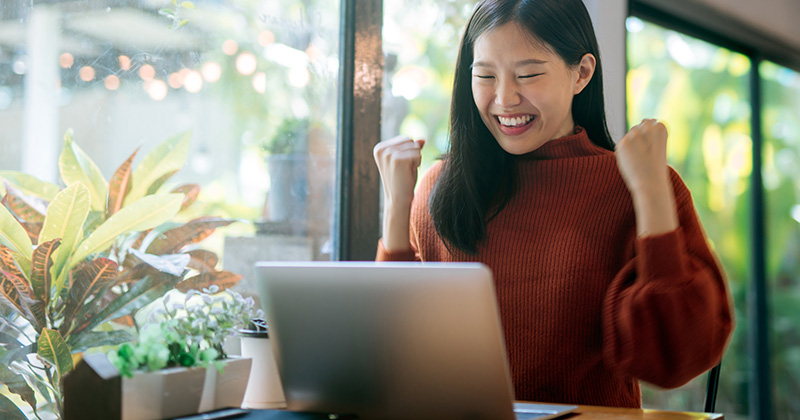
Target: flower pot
x=162, y=394
x=226, y=388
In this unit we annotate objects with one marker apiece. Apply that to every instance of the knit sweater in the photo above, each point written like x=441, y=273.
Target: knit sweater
x=588, y=308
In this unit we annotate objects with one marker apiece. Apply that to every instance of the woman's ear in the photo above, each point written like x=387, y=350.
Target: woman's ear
x=585, y=71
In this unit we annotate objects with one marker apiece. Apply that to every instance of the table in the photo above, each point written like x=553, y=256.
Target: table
x=584, y=412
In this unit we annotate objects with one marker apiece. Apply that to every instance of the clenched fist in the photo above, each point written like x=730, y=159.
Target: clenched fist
x=642, y=156
x=398, y=160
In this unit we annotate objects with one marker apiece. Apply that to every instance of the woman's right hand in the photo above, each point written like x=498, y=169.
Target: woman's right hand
x=398, y=160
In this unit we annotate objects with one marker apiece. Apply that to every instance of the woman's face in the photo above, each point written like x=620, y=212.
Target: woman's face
x=524, y=91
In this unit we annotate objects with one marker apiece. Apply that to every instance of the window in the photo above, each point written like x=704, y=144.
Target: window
x=255, y=83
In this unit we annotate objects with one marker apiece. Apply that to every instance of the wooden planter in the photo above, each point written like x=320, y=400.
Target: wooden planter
x=94, y=389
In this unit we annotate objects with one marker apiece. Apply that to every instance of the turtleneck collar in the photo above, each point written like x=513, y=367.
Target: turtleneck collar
x=575, y=145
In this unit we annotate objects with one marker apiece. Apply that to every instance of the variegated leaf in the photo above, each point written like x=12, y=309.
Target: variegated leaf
x=30, y=185
x=88, y=279
x=76, y=166
x=157, y=184
x=119, y=185
x=223, y=279
x=203, y=260
x=55, y=350
x=190, y=192
x=8, y=263
x=27, y=208
x=173, y=240
x=168, y=157
x=18, y=294
x=42, y=261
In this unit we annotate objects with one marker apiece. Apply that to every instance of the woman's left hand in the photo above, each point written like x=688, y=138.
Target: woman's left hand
x=642, y=156
x=642, y=162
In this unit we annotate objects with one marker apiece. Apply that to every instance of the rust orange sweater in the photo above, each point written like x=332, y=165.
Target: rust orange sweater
x=587, y=307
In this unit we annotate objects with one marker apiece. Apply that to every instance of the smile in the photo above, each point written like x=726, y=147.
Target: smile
x=515, y=121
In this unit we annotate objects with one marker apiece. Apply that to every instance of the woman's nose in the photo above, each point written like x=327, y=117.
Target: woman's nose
x=507, y=94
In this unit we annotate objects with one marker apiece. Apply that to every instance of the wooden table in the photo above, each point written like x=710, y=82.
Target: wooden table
x=589, y=412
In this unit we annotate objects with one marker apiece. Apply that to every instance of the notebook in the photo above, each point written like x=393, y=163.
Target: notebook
x=391, y=340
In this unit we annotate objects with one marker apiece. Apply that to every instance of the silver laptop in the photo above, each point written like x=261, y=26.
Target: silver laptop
x=391, y=340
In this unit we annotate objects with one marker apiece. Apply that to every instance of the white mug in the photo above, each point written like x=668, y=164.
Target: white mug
x=264, y=391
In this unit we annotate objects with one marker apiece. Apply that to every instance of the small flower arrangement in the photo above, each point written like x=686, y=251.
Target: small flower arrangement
x=187, y=331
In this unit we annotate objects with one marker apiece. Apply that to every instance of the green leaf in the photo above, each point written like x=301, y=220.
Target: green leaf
x=187, y=5
x=55, y=350
x=167, y=157
x=144, y=214
x=16, y=384
x=76, y=166
x=41, y=262
x=181, y=23
x=157, y=184
x=119, y=186
x=13, y=235
x=140, y=294
x=65, y=218
x=166, y=12
x=9, y=410
x=192, y=232
x=31, y=185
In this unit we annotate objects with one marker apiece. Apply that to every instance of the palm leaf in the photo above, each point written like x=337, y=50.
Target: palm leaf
x=202, y=260
x=13, y=235
x=192, y=232
x=16, y=384
x=41, y=278
x=27, y=208
x=190, y=192
x=31, y=185
x=76, y=166
x=167, y=157
x=119, y=186
x=223, y=279
x=144, y=214
x=55, y=350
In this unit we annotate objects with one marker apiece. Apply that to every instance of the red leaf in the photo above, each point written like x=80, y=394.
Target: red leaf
x=89, y=279
x=190, y=191
x=223, y=279
x=171, y=241
x=119, y=185
x=41, y=261
x=203, y=260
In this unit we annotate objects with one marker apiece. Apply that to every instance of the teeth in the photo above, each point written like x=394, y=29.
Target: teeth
x=515, y=122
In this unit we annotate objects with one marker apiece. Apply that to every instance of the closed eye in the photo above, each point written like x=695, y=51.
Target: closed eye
x=530, y=76
x=484, y=77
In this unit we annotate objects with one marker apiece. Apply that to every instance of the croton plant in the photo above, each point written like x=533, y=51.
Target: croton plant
x=78, y=260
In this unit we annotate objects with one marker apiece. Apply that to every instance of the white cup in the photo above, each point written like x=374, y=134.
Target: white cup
x=264, y=391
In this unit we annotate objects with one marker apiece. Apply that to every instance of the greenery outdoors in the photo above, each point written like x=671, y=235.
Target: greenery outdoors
x=781, y=174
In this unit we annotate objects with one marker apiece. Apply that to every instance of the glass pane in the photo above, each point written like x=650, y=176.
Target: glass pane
x=781, y=122
x=420, y=43
x=701, y=91
x=252, y=83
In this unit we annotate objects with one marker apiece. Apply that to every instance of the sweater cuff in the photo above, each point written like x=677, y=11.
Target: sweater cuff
x=662, y=256
x=384, y=255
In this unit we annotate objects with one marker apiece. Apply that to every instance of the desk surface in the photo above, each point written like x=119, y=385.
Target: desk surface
x=588, y=412
x=585, y=412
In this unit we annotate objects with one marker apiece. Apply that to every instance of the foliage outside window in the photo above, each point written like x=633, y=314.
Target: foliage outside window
x=701, y=91
x=781, y=172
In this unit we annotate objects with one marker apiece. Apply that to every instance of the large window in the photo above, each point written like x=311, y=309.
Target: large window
x=254, y=83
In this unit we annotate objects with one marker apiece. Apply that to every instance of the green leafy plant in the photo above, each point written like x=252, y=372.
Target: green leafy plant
x=291, y=136
x=186, y=331
x=76, y=263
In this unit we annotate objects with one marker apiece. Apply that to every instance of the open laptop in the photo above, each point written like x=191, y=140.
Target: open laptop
x=391, y=340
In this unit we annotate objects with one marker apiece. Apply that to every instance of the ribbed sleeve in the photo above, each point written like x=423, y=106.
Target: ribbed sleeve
x=588, y=308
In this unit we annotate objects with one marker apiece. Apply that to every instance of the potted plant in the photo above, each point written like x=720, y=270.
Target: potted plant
x=76, y=263
x=181, y=348
x=287, y=164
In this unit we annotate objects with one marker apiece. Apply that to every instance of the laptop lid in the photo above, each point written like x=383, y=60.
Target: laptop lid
x=387, y=340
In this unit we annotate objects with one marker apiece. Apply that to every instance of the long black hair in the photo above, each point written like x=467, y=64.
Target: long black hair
x=477, y=178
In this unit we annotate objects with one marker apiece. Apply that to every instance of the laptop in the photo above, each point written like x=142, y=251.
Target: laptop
x=391, y=340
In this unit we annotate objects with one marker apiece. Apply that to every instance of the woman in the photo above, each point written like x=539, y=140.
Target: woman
x=602, y=269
